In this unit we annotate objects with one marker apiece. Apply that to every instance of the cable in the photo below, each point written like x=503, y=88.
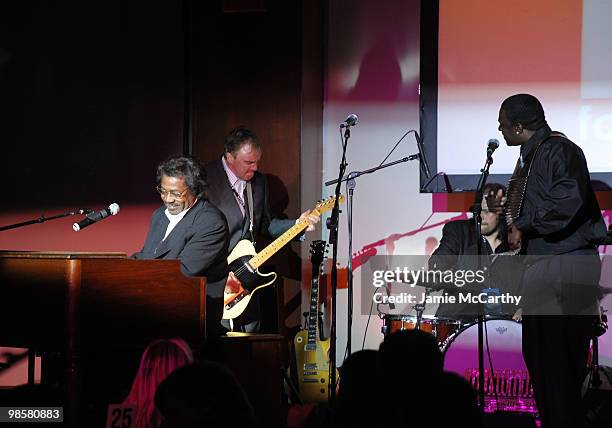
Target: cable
x=447, y=184
x=365, y=333
x=342, y=139
x=349, y=185
x=432, y=179
x=349, y=212
x=396, y=144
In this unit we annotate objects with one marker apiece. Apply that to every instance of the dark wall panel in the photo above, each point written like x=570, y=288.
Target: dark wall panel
x=91, y=100
x=247, y=71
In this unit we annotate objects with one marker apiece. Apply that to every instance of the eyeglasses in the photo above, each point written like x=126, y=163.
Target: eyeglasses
x=175, y=194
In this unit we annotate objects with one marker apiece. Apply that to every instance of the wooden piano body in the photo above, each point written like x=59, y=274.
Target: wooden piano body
x=83, y=305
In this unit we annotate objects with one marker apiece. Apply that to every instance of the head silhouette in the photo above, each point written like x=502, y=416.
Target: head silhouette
x=202, y=395
x=159, y=359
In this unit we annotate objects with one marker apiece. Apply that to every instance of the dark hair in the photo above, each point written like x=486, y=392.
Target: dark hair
x=159, y=359
x=359, y=377
x=203, y=394
x=425, y=353
x=524, y=109
x=239, y=136
x=189, y=169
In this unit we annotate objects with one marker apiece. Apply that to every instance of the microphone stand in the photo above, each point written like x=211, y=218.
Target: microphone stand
x=356, y=174
x=351, y=184
x=43, y=219
x=419, y=309
x=332, y=225
x=476, y=209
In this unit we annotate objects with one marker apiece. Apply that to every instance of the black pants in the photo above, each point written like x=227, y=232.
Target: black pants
x=555, y=347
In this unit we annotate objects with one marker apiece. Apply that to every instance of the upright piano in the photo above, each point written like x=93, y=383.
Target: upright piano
x=81, y=305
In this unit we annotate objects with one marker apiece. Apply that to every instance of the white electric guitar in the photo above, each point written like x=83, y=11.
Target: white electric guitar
x=244, y=263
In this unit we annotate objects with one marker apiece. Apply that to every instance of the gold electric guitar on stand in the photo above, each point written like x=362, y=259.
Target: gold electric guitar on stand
x=244, y=263
x=312, y=352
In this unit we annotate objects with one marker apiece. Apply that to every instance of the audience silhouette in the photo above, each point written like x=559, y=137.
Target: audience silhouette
x=203, y=395
x=357, y=398
x=159, y=359
x=417, y=392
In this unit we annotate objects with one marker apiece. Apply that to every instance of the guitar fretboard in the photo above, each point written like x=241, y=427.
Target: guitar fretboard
x=313, y=315
x=261, y=257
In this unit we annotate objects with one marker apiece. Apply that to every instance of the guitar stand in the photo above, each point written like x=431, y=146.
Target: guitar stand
x=597, y=391
x=295, y=395
x=594, y=375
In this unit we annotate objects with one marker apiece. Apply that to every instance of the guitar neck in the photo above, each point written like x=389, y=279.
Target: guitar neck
x=261, y=257
x=293, y=231
x=313, y=316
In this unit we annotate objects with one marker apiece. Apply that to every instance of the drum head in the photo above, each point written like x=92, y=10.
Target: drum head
x=505, y=347
x=406, y=318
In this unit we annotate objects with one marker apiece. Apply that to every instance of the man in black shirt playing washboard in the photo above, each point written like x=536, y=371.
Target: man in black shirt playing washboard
x=553, y=215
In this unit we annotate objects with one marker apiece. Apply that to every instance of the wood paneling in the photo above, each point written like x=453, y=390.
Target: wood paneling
x=92, y=100
x=247, y=71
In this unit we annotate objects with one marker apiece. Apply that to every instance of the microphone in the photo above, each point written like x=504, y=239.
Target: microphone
x=95, y=217
x=351, y=120
x=492, y=145
x=422, y=158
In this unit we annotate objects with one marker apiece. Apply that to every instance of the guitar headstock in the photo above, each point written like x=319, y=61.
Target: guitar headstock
x=328, y=204
x=317, y=252
x=362, y=256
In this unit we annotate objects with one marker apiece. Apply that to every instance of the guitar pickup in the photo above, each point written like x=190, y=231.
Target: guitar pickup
x=311, y=381
x=310, y=366
x=237, y=299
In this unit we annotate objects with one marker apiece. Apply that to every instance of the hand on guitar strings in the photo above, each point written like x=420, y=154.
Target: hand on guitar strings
x=232, y=285
x=312, y=217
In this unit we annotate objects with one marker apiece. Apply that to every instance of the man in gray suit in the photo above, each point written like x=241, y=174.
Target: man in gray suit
x=191, y=229
x=230, y=177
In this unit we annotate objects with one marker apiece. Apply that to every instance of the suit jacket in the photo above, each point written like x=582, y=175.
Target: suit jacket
x=457, y=240
x=220, y=193
x=199, y=241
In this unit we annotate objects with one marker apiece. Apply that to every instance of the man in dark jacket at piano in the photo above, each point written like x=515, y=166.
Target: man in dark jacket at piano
x=189, y=228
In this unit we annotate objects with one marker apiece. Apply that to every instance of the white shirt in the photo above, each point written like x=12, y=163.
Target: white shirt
x=174, y=219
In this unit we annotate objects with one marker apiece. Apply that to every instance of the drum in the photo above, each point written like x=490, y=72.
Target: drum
x=440, y=328
x=512, y=389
